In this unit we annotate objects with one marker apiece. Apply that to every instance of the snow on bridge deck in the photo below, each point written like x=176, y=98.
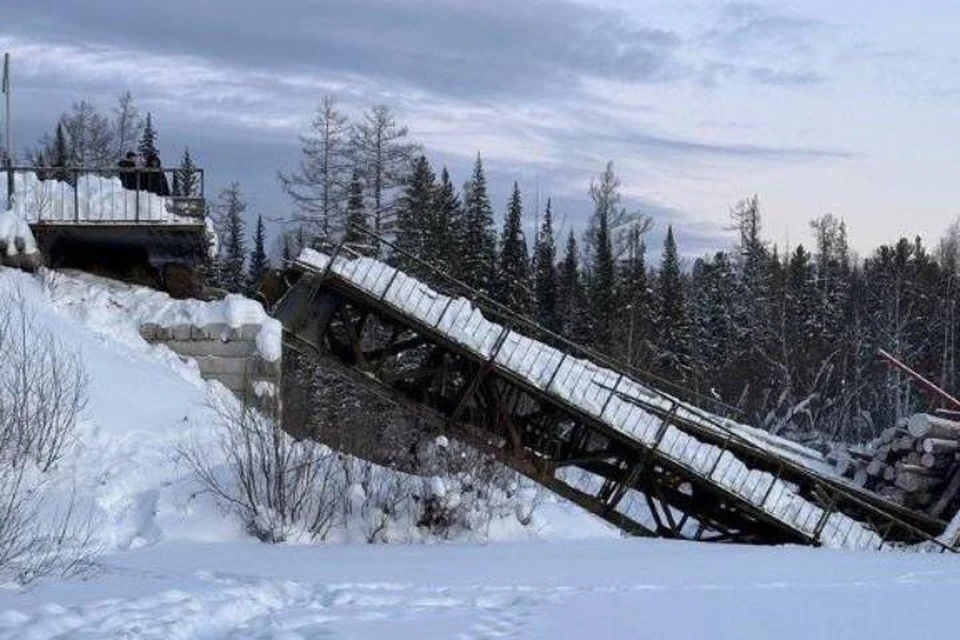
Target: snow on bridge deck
x=605, y=395
x=96, y=198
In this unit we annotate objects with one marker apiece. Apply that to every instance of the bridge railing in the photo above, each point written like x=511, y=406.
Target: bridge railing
x=702, y=409
x=59, y=195
x=499, y=313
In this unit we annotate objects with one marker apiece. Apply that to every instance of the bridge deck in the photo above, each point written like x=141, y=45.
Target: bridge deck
x=624, y=441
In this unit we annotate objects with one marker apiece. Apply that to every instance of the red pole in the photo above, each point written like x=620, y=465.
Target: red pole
x=926, y=384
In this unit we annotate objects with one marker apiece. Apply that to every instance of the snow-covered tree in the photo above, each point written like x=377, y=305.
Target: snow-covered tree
x=448, y=228
x=147, y=146
x=571, y=297
x=545, y=273
x=186, y=179
x=478, y=253
x=605, y=193
x=414, y=218
x=229, y=216
x=673, y=328
x=513, y=275
x=259, y=263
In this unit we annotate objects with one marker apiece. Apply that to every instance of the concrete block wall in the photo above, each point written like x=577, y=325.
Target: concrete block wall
x=226, y=354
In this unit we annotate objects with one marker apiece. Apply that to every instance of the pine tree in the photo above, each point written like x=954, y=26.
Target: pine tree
x=478, y=253
x=571, y=298
x=414, y=212
x=357, y=216
x=230, y=208
x=186, y=179
x=513, y=277
x=259, y=264
x=60, y=158
x=606, y=199
x=448, y=228
x=713, y=292
x=673, y=331
x=545, y=273
x=147, y=146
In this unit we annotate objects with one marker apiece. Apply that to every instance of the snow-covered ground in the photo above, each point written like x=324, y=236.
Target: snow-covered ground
x=571, y=589
x=174, y=566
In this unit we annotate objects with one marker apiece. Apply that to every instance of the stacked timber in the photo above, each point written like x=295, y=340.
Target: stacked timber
x=915, y=463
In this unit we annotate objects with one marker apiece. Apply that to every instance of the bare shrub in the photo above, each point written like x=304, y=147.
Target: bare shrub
x=276, y=485
x=467, y=490
x=376, y=497
x=42, y=391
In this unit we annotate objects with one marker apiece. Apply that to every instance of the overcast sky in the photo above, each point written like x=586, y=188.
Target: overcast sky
x=849, y=108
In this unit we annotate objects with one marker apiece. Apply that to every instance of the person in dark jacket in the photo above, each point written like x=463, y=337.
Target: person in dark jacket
x=156, y=180
x=128, y=171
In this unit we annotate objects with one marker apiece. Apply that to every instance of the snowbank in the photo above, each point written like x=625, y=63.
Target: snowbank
x=145, y=402
x=95, y=199
x=15, y=236
x=143, y=306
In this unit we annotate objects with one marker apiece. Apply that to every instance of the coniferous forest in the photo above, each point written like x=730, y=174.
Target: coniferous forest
x=786, y=339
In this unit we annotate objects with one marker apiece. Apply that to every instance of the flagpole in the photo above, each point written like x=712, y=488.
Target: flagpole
x=6, y=79
x=6, y=136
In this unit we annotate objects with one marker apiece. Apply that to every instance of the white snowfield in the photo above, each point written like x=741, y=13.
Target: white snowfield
x=176, y=568
x=607, y=589
x=605, y=394
x=95, y=199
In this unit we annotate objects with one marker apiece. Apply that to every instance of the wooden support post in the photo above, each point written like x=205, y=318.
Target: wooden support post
x=477, y=379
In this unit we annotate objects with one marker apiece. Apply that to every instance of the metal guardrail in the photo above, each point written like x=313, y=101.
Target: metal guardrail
x=93, y=195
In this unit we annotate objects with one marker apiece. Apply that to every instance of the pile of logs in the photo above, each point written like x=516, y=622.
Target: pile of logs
x=914, y=464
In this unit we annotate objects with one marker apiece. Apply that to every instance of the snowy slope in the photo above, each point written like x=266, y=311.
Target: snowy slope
x=175, y=567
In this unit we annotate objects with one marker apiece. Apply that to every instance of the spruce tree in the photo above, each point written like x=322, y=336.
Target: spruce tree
x=414, y=213
x=259, y=264
x=230, y=208
x=186, y=179
x=148, y=139
x=603, y=302
x=513, y=286
x=448, y=224
x=61, y=156
x=571, y=298
x=478, y=251
x=673, y=331
x=545, y=273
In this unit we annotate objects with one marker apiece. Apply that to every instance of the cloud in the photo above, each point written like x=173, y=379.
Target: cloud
x=744, y=26
x=455, y=48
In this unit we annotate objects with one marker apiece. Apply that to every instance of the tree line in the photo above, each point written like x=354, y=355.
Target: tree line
x=788, y=340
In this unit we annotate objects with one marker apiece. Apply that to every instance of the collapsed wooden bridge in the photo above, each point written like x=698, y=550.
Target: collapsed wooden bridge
x=600, y=435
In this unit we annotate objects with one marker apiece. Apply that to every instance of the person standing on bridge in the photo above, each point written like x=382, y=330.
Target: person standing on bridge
x=155, y=178
x=128, y=171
